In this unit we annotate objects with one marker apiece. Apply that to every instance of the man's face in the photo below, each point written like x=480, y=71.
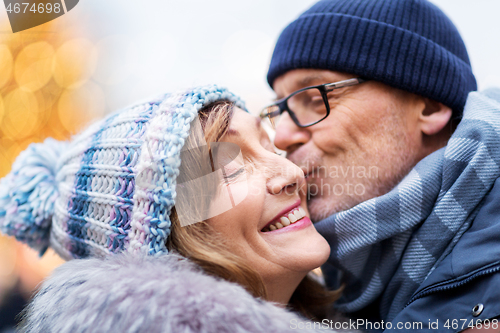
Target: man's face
x=367, y=144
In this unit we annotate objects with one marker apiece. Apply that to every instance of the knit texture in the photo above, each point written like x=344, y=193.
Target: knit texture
x=408, y=44
x=175, y=296
x=111, y=188
x=388, y=245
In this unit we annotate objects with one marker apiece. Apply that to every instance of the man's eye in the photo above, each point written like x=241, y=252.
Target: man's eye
x=334, y=94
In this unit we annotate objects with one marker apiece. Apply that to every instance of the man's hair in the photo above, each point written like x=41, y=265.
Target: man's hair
x=408, y=44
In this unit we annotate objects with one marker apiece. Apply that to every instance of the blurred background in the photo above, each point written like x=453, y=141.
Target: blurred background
x=105, y=55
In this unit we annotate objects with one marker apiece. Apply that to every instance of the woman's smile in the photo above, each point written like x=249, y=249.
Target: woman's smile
x=296, y=217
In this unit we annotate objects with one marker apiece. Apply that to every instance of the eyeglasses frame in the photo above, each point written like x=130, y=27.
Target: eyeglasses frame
x=324, y=89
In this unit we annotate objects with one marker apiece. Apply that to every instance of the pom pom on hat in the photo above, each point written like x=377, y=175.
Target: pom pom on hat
x=28, y=194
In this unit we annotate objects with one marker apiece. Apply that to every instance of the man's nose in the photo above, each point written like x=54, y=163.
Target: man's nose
x=289, y=136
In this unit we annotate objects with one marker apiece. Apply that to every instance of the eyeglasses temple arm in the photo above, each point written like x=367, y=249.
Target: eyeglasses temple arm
x=270, y=114
x=346, y=83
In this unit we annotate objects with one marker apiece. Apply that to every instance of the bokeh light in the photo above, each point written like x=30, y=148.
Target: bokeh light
x=74, y=63
x=44, y=92
x=77, y=107
x=6, y=64
x=21, y=119
x=33, y=66
x=46, y=86
x=7, y=263
x=2, y=109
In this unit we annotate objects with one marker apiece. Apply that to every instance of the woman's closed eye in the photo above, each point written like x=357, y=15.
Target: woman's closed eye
x=233, y=175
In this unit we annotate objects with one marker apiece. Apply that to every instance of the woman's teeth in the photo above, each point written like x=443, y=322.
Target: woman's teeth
x=291, y=218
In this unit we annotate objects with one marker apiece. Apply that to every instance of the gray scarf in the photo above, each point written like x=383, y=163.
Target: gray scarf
x=388, y=245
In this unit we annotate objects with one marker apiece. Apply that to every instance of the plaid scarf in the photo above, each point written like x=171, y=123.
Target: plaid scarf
x=387, y=246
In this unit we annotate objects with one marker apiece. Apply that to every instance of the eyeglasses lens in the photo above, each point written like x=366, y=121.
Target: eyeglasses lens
x=308, y=106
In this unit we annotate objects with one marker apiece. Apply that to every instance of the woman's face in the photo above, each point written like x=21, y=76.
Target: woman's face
x=270, y=227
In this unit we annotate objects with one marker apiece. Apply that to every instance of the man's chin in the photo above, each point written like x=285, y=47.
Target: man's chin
x=319, y=208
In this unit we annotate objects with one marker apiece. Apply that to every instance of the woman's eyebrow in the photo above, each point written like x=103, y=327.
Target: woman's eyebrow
x=232, y=131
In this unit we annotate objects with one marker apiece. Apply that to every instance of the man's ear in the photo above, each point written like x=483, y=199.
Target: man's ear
x=434, y=117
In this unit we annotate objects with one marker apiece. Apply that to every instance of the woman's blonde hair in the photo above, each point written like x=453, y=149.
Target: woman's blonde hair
x=201, y=244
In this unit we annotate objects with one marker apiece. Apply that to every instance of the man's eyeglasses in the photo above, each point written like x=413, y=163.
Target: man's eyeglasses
x=306, y=106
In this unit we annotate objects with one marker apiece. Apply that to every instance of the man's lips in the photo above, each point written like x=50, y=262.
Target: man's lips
x=313, y=181
x=311, y=173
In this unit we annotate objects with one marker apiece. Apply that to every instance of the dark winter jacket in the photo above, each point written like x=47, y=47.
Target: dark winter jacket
x=465, y=288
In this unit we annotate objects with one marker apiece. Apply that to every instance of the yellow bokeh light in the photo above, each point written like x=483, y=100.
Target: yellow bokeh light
x=21, y=114
x=74, y=63
x=7, y=262
x=5, y=64
x=33, y=76
x=54, y=129
x=14, y=151
x=33, y=66
x=2, y=109
x=77, y=107
x=5, y=160
x=48, y=96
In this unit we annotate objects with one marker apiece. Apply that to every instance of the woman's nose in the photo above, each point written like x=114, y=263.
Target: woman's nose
x=284, y=177
x=288, y=135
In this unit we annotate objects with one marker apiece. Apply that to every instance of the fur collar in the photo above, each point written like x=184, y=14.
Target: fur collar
x=125, y=293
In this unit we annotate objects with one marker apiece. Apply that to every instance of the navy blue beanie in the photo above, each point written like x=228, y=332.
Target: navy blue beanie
x=408, y=44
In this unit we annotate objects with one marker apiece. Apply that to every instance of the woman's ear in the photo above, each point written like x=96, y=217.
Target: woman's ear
x=434, y=117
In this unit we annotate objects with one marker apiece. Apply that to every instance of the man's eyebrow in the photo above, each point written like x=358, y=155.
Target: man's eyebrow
x=304, y=82
x=309, y=80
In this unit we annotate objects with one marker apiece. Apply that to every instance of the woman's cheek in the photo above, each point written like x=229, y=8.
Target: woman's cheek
x=256, y=187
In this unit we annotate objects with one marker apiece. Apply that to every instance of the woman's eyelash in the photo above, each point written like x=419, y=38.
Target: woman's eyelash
x=235, y=174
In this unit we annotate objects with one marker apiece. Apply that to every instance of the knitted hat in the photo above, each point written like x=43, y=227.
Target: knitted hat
x=83, y=197
x=408, y=44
